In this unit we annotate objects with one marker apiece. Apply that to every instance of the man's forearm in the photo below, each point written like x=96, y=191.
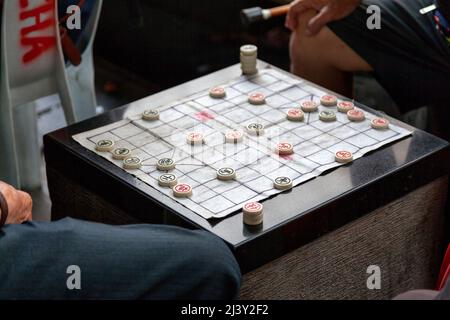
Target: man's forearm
x=3, y=210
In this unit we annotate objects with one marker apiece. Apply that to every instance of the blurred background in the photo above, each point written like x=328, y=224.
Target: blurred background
x=170, y=42
x=139, y=52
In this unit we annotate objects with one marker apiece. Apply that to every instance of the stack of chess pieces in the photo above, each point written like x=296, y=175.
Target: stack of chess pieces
x=249, y=56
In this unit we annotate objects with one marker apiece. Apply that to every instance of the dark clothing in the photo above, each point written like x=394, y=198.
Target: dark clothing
x=444, y=6
x=126, y=262
x=410, y=57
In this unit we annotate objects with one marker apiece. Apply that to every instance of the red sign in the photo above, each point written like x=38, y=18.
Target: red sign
x=43, y=18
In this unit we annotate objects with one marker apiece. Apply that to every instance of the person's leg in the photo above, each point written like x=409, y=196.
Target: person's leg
x=128, y=262
x=324, y=58
x=409, y=57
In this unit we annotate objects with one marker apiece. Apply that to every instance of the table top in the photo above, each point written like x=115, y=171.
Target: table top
x=303, y=213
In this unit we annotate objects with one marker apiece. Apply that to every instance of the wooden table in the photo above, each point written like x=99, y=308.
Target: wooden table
x=386, y=209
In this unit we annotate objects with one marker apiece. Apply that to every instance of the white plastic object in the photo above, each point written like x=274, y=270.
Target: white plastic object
x=31, y=69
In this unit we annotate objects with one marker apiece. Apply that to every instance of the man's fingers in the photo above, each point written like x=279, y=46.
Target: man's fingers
x=288, y=22
x=6, y=190
x=20, y=204
x=320, y=20
x=299, y=6
x=27, y=205
x=296, y=8
x=28, y=217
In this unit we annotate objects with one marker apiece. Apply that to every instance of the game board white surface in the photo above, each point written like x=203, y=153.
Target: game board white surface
x=254, y=159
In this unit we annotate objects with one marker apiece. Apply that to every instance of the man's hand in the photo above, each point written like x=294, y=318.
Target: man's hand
x=328, y=10
x=19, y=204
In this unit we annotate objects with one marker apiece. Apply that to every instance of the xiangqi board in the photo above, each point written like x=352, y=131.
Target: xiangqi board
x=205, y=137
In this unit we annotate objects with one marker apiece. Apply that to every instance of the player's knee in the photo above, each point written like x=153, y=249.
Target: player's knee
x=295, y=53
x=301, y=45
x=219, y=269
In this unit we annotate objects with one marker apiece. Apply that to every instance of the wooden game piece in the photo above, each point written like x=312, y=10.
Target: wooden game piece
x=165, y=164
x=255, y=129
x=182, y=190
x=249, y=50
x=282, y=183
x=257, y=98
x=295, y=114
x=327, y=116
x=380, y=123
x=132, y=163
x=104, y=145
x=248, y=57
x=345, y=106
x=343, y=156
x=309, y=106
x=121, y=153
x=253, y=213
x=248, y=61
x=249, y=64
x=226, y=174
x=150, y=115
x=234, y=136
x=328, y=100
x=285, y=148
x=217, y=92
x=167, y=180
x=194, y=138
x=249, y=68
x=355, y=115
